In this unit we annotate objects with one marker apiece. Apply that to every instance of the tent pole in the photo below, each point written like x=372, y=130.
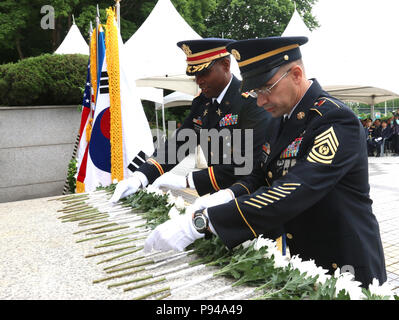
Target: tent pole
x=156, y=120
x=163, y=122
x=372, y=115
x=372, y=112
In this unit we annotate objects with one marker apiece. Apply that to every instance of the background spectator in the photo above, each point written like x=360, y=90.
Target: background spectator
x=395, y=134
x=386, y=134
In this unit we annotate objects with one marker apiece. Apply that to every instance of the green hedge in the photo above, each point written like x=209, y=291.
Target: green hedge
x=44, y=80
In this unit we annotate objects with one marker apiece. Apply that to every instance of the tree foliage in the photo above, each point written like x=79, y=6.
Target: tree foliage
x=256, y=18
x=44, y=80
x=21, y=34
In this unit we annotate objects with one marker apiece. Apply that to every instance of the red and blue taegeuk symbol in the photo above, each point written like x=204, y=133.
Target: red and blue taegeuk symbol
x=100, y=146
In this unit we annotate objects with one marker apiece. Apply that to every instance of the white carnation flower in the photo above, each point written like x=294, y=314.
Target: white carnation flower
x=310, y=268
x=171, y=197
x=179, y=203
x=280, y=261
x=345, y=281
x=247, y=244
x=385, y=290
x=263, y=242
x=173, y=213
x=151, y=189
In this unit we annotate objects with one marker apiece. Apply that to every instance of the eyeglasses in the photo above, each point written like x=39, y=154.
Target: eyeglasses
x=267, y=90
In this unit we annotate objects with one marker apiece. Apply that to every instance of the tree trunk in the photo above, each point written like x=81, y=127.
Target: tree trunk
x=59, y=29
x=54, y=39
x=18, y=45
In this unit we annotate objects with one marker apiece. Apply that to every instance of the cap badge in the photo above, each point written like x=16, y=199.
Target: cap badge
x=236, y=54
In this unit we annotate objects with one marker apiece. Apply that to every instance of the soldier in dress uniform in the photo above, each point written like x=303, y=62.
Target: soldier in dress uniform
x=220, y=106
x=312, y=179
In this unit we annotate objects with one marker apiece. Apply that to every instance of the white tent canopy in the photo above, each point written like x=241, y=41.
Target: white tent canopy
x=350, y=53
x=363, y=94
x=154, y=55
x=181, y=83
x=176, y=99
x=153, y=46
x=73, y=43
x=156, y=60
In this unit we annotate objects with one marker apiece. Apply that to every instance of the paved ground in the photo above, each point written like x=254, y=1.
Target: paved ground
x=384, y=184
x=41, y=259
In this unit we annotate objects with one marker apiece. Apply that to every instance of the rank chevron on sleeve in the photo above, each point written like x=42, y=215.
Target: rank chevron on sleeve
x=324, y=148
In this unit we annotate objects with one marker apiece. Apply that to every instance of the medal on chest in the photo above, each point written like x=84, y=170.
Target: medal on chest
x=292, y=150
x=287, y=158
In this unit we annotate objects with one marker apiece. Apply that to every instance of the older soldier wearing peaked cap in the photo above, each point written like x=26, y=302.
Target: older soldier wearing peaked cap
x=220, y=106
x=313, y=176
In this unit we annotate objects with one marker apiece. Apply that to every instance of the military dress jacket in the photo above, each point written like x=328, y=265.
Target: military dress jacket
x=236, y=111
x=313, y=183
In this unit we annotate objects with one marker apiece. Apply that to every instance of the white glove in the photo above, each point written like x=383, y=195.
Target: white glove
x=171, y=181
x=128, y=186
x=220, y=197
x=174, y=234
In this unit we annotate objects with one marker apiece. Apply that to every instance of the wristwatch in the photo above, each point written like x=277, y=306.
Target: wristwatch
x=201, y=223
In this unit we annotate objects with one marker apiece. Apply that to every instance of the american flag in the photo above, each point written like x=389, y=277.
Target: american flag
x=86, y=104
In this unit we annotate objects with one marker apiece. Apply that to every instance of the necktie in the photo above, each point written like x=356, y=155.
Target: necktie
x=213, y=116
x=282, y=123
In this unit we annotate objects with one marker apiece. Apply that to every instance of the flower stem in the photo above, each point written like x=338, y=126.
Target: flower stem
x=118, y=276
x=151, y=293
x=144, y=263
x=109, y=230
x=93, y=221
x=121, y=255
x=164, y=296
x=88, y=239
x=120, y=235
x=138, y=286
x=130, y=281
x=137, y=258
x=96, y=228
x=109, y=251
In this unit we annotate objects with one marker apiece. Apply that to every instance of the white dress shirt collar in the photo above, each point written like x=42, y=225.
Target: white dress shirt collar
x=292, y=110
x=222, y=94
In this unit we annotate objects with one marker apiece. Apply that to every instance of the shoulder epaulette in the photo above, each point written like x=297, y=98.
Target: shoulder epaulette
x=320, y=102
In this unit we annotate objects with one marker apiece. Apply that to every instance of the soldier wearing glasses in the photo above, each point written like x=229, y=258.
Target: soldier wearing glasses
x=313, y=177
x=220, y=106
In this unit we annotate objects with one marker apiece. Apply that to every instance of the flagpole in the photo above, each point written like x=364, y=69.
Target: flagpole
x=90, y=31
x=118, y=13
x=97, y=26
x=77, y=140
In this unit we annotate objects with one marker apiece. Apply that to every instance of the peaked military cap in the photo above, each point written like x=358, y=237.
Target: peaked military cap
x=202, y=53
x=259, y=59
